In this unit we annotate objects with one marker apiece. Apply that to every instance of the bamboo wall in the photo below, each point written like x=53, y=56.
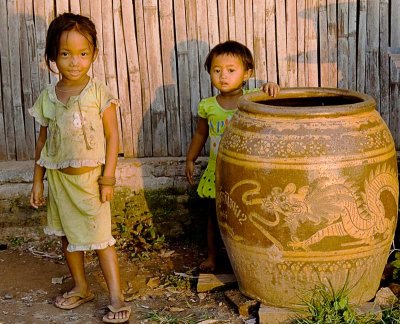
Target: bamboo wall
x=152, y=54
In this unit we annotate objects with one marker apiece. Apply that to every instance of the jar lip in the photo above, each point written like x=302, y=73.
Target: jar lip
x=257, y=102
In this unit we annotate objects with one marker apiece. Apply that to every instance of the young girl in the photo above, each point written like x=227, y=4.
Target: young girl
x=230, y=65
x=78, y=146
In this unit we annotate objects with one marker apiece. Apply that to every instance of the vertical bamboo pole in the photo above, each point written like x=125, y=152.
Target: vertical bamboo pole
x=40, y=32
x=212, y=18
x=394, y=120
x=97, y=18
x=122, y=75
x=135, y=94
x=240, y=30
x=110, y=72
x=6, y=83
x=323, y=44
x=223, y=20
x=85, y=7
x=26, y=84
x=343, y=44
x=332, y=43
x=170, y=78
x=158, y=114
x=193, y=59
x=372, y=84
x=183, y=74
x=3, y=144
x=231, y=20
x=213, y=30
x=281, y=44
x=291, y=36
x=361, y=45
x=75, y=6
x=271, y=41
x=7, y=91
x=301, y=22
x=32, y=51
x=61, y=6
x=311, y=43
x=249, y=35
x=384, y=71
x=50, y=13
x=260, y=58
x=144, y=79
x=203, y=47
x=352, y=76
x=15, y=73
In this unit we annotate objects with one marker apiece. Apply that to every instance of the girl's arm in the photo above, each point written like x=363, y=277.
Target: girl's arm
x=196, y=145
x=110, y=125
x=37, y=198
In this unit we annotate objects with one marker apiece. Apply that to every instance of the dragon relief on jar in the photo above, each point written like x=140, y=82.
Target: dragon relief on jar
x=336, y=205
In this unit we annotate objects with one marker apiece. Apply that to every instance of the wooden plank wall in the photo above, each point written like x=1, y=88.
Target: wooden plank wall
x=152, y=54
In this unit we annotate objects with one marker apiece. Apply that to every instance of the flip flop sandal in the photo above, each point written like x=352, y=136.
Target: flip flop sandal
x=116, y=310
x=82, y=299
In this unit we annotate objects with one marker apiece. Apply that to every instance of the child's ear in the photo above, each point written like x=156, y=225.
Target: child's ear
x=248, y=74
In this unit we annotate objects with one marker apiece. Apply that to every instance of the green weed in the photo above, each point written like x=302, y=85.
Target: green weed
x=176, y=282
x=326, y=305
x=391, y=315
x=17, y=241
x=163, y=317
x=396, y=264
x=133, y=225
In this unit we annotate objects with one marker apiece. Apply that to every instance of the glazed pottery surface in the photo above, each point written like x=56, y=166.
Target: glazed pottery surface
x=307, y=194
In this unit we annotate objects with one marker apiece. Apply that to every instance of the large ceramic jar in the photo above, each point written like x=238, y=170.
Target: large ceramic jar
x=307, y=194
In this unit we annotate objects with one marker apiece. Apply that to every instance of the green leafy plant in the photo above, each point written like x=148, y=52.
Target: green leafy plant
x=163, y=317
x=176, y=282
x=391, y=315
x=133, y=226
x=326, y=305
x=17, y=241
x=396, y=264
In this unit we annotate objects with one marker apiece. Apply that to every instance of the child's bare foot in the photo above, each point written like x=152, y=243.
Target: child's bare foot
x=208, y=265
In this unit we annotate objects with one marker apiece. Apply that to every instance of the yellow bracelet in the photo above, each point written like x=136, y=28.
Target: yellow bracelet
x=106, y=181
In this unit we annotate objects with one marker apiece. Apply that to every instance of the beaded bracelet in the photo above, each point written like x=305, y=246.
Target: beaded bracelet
x=106, y=181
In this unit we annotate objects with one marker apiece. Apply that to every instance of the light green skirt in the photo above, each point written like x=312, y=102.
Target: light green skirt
x=74, y=210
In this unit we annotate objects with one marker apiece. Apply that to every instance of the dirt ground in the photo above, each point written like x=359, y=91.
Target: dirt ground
x=157, y=289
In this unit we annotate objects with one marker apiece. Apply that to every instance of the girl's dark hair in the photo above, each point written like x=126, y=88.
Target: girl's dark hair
x=66, y=22
x=231, y=48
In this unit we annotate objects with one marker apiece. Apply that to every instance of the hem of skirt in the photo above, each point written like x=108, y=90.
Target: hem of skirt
x=51, y=231
x=90, y=247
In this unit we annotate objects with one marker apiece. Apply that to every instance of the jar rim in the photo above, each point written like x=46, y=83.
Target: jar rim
x=261, y=103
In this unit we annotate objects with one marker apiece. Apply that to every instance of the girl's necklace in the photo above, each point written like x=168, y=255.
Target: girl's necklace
x=72, y=90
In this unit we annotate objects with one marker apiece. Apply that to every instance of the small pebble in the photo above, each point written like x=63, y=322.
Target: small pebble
x=8, y=296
